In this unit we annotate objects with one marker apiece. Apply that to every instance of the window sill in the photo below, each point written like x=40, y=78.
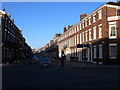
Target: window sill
x=100, y=57
x=113, y=57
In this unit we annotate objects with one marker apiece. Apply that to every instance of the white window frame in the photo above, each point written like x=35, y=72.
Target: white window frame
x=95, y=51
x=112, y=51
x=90, y=34
x=86, y=34
x=77, y=28
x=118, y=14
x=94, y=18
x=100, y=30
x=100, y=15
x=83, y=36
x=89, y=20
x=112, y=24
x=86, y=23
x=83, y=25
x=100, y=46
x=94, y=33
x=80, y=27
x=80, y=38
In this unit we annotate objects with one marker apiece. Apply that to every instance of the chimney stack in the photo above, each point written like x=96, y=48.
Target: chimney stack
x=20, y=31
x=9, y=15
x=69, y=26
x=12, y=20
x=65, y=29
x=82, y=16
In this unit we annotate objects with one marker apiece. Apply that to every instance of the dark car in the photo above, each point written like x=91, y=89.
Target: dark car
x=45, y=62
x=52, y=60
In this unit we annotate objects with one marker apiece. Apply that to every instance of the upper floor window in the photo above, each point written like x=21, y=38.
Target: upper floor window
x=100, y=31
x=77, y=28
x=112, y=30
x=83, y=36
x=94, y=18
x=94, y=32
x=90, y=34
x=99, y=14
x=83, y=24
x=80, y=27
x=89, y=20
x=86, y=35
x=118, y=12
x=86, y=23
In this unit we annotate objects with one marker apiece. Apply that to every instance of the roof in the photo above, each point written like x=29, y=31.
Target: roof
x=113, y=3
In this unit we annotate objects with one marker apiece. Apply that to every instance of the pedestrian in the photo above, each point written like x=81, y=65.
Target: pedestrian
x=62, y=59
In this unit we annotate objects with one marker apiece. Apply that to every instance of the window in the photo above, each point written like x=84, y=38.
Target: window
x=112, y=30
x=94, y=48
x=89, y=20
x=83, y=24
x=83, y=36
x=99, y=14
x=94, y=18
x=90, y=34
x=100, y=51
x=113, y=50
x=86, y=23
x=5, y=34
x=77, y=28
x=100, y=31
x=118, y=12
x=80, y=27
x=80, y=38
x=86, y=35
x=94, y=32
x=77, y=39
x=6, y=21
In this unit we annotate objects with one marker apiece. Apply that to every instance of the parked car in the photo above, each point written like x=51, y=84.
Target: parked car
x=34, y=60
x=52, y=60
x=45, y=62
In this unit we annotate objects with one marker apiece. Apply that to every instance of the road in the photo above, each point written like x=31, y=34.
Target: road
x=33, y=76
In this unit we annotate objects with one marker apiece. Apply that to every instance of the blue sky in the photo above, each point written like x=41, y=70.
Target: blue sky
x=41, y=20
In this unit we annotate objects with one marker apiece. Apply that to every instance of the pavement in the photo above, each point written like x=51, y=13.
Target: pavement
x=74, y=65
x=81, y=65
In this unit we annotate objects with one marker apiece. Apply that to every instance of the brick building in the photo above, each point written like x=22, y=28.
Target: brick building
x=13, y=45
x=99, y=32
x=51, y=49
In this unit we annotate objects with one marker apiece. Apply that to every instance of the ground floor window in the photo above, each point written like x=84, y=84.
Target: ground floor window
x=113, y=50
x=94, y=52
x=100, y=51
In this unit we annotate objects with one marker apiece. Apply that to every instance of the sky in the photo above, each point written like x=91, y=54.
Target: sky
x=40, y=21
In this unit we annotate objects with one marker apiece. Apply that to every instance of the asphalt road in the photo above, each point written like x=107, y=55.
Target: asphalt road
x=33, y=76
